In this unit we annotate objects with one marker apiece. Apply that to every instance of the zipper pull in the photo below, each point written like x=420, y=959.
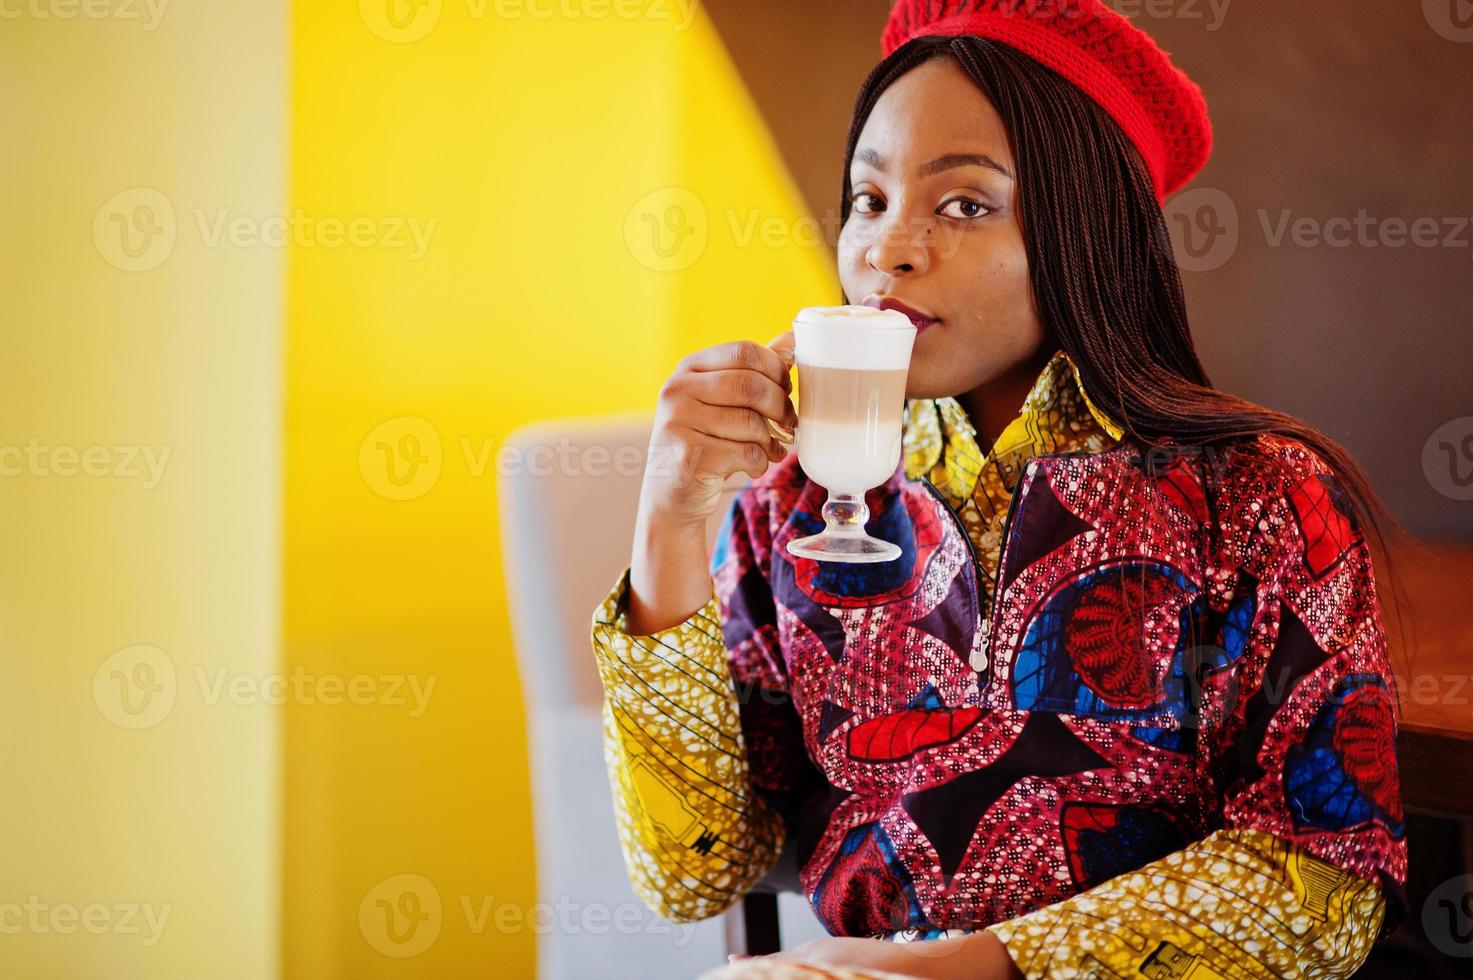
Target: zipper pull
x=977, y=659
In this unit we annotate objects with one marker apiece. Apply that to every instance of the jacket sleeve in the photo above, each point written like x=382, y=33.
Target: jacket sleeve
x=1238, y=903
x=1301, y=738
x=696, y=727
x=1308, y=866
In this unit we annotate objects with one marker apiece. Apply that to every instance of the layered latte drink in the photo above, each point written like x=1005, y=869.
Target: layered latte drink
x=852, y=365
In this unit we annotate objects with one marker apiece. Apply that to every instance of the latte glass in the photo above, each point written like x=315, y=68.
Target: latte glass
x=852, y=364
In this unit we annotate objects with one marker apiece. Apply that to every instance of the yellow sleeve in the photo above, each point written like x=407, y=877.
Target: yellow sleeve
x=695, y=836
x=1239, y=903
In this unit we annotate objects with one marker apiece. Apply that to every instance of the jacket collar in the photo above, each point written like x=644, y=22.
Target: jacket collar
x=940, y=442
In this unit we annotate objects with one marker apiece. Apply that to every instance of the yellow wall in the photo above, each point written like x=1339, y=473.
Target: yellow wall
x=174, y=808
x=537, y=146
x=537, y=158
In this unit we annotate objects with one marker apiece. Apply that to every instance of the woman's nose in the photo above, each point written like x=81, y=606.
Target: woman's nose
x=901, y=245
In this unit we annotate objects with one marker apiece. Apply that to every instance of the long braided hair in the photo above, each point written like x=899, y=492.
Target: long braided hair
x=1103, y=272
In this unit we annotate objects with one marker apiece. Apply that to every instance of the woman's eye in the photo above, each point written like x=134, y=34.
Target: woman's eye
x=964, y=207
x=860, y=200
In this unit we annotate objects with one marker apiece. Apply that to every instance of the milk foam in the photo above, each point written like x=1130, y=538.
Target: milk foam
x=861, y=338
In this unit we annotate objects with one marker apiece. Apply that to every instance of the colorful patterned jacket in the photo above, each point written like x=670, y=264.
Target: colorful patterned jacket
x=1128, y=708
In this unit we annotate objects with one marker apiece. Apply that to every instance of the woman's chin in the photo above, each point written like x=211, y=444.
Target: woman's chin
x=923, y=381
x=920, y=391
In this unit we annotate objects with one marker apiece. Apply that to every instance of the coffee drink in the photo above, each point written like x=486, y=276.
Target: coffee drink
x=852, y=367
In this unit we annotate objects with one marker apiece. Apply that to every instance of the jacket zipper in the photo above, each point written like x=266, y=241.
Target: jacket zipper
x=1002, y=555
x=1002, y=548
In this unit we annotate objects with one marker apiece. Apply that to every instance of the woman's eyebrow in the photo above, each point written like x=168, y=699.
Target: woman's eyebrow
x=948, y=162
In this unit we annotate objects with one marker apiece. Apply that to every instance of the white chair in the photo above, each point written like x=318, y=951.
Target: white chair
x=568, y=493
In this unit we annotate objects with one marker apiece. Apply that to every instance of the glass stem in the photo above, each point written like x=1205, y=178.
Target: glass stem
x=846, y=513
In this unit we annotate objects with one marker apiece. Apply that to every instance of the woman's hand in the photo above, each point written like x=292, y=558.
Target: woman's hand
x=977, y=956
x=711, y=422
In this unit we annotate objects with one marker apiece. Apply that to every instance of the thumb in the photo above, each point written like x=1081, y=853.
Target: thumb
x=784, y=345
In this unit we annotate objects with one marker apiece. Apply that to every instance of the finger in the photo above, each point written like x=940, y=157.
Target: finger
x=734, y=424
x=785, y=345
x=778, y=450
x=745, y=389
x=725, y=457
x=741, y=425
x=739, y=355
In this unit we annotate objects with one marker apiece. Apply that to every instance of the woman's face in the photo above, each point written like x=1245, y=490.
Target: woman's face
x=934, y=224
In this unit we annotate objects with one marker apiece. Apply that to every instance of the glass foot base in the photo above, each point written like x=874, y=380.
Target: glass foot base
x=844, y=547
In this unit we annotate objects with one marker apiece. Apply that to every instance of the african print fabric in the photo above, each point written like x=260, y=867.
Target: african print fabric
x=1142, y=688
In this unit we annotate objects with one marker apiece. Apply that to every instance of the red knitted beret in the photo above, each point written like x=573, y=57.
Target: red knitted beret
x=1161, y=110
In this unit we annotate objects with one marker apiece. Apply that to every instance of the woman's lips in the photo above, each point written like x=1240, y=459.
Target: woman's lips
x=921, y=320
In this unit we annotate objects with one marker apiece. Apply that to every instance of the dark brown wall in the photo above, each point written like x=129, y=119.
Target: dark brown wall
x=1322, y=109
